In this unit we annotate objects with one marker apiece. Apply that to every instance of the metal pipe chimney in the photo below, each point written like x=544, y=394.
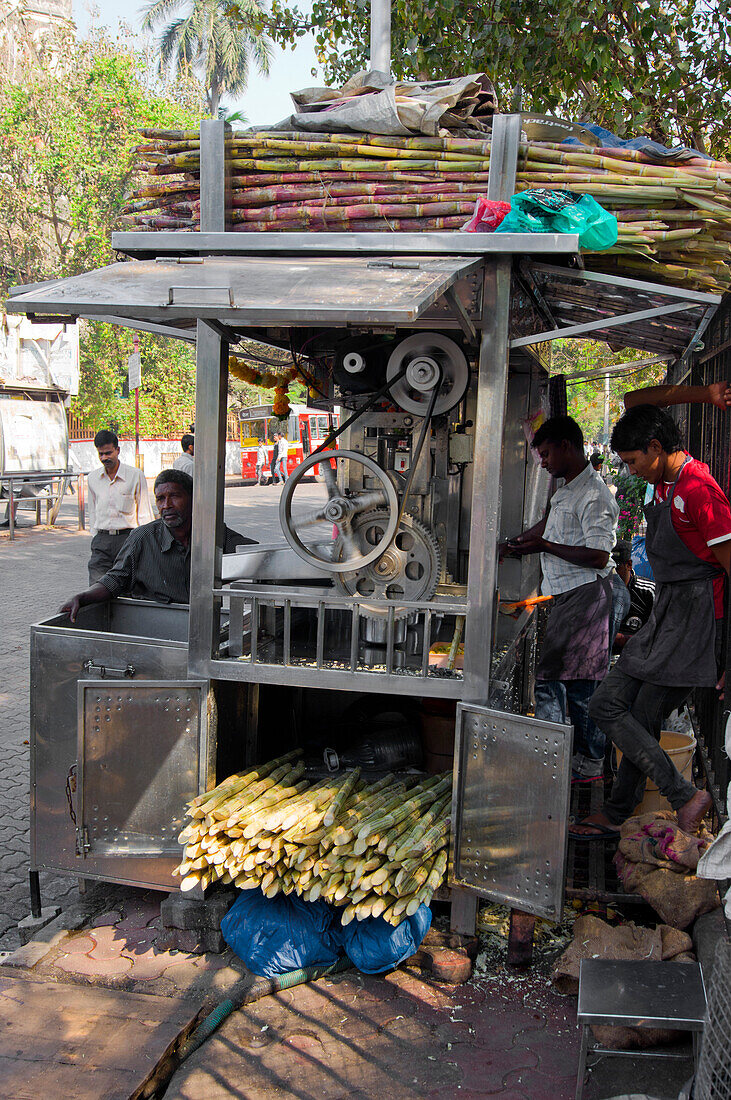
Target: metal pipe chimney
x=381, y=36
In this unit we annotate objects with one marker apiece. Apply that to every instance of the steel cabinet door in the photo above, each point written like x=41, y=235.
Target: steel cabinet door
x=510, y=808
x=139, y=759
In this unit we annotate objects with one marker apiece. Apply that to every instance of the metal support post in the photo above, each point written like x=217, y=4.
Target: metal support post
x=492, y=385
x=81, y=499
x=208, y=487
x=215, y=178
x=35, y=894
x=381, y=36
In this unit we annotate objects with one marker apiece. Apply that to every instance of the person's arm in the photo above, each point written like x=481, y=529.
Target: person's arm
x=98, y=593
x=718, y=394
x=142, y=496
x=722, y=553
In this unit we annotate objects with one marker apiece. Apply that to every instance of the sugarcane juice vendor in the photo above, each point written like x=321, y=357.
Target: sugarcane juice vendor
x=689, y=549
x=154, y=563
x=575, y=541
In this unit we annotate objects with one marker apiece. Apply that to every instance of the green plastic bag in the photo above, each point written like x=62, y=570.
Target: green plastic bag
x=543, y=211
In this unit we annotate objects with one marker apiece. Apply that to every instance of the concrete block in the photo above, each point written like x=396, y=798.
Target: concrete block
x=190, y=914
x=27, y=956
x=194, y=941
x=29, y=927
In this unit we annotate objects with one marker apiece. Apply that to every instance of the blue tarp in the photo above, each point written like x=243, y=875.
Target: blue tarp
x=645, y=145
x=276, y=935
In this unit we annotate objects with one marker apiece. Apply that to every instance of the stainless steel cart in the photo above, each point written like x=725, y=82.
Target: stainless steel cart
x=446, y=328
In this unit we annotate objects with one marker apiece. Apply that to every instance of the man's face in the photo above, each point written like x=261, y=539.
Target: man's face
x=624, y=571
x=108, y=456
x=191, y=449
x=174, y=505
x=554, y=457
x=647, y=464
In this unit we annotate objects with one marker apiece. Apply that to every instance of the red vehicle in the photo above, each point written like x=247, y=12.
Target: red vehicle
x=305, y=429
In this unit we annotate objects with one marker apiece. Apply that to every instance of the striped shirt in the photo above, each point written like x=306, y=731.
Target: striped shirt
x=152, y=565
x=583, y=513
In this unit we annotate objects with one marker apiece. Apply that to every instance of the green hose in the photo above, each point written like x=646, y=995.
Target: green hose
x=250, y=993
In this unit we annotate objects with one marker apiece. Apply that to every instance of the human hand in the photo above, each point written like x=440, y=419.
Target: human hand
x=721, y=686
x=526, y=544
x=720, y=394
x=70, y=608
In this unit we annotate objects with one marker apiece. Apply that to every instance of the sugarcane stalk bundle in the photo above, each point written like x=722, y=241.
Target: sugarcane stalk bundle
x=674, y=219
x=373, y=848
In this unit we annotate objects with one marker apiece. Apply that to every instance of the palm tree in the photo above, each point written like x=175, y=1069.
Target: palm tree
x=210, y=41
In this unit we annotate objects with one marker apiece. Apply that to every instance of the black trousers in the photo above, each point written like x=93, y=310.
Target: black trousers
x=104, y=550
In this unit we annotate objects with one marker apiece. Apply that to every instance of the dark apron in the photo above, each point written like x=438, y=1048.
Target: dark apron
x=676, y=646
x=575, y=645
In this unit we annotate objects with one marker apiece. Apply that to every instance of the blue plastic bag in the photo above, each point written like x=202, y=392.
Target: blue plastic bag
x=374, y=945
x=276, y=935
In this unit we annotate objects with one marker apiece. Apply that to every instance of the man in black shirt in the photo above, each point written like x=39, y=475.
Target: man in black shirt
x=154, y=563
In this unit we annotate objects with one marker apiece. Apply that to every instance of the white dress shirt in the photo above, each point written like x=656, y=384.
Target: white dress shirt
x=583, y=513
x=118, y=503
x=185, y=463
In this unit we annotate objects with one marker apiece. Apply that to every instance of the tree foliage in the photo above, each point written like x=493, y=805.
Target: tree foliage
x=203, y=42
x=661, y=68
x=67, y=139
x=586, y=397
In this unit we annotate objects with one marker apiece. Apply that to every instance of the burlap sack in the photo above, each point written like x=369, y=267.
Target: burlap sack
x=595, y=939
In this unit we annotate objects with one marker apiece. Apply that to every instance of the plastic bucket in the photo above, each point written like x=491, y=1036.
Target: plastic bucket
x=680, y=748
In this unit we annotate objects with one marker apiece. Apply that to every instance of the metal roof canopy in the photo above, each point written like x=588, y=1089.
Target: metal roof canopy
x=253, y=290
x=653, y=317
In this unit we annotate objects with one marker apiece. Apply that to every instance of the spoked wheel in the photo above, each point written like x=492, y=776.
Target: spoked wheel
x=312, y=533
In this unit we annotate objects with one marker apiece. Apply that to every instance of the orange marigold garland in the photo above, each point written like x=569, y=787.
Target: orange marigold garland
x=267, y=380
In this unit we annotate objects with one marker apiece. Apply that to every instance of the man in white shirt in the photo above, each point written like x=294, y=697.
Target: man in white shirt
x=281, y=450
x=575, y=541
x=184, y=461
x=118, y=502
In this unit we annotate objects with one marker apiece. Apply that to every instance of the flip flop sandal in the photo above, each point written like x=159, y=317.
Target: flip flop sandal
x=603, y=832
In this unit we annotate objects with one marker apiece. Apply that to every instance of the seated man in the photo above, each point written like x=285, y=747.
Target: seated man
x=154, y=563
x=641, y=595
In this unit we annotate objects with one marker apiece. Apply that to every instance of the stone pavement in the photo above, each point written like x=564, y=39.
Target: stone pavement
x=506, y=1034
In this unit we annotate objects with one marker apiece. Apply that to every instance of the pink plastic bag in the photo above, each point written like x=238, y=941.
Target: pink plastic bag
x=487, y=216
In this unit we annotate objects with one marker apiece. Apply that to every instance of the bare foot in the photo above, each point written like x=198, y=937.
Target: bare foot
x=692, y=813
x=594, y=827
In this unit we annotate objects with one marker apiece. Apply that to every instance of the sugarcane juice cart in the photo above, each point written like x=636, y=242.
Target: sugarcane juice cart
x=428, y=342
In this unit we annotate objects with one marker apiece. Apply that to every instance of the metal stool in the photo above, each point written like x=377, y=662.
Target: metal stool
x=639, y=994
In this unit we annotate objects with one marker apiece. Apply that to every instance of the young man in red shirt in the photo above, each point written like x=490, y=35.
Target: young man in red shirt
x=689, y=547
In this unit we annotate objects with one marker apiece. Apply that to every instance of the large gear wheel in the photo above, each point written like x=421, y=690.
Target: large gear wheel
x=408, y=570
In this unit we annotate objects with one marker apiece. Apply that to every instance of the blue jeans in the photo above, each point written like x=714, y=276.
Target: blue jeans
x=568, y=701
x=621, y=602
x=280, y=469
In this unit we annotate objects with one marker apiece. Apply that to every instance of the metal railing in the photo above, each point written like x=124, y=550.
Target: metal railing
x=278, y=627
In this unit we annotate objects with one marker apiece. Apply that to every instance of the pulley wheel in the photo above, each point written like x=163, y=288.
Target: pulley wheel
x=423, y=353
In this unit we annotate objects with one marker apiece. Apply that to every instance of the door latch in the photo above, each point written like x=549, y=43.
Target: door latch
x=104, y=672
x=83, y=845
